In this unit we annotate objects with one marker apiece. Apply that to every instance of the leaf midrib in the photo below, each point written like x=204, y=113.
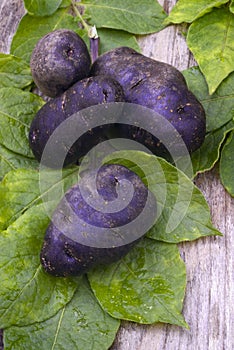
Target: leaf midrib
x=224, y=45
x=9, y=116
x=231, y=96
x=58, y=328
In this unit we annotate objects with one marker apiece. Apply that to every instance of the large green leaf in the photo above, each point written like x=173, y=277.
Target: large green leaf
x=11, y=161
x=146, y=286
x=133, y=16
x=227, y=164
x=189, y=10
x=41, y=7
x=17, y=110
x=183, y=213
x=31, y=29
x=81, y=324
x=219, y=107
x=118, y=38
x=215, y=57
x=208, y=154
x=14, y=72
x=27, y=293
x=20, y=190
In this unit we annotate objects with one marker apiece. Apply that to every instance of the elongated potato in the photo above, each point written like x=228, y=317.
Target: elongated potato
x=158, y=86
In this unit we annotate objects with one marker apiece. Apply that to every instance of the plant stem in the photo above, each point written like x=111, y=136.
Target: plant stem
x=77, y=12
x=94, y=45
x=92, y=33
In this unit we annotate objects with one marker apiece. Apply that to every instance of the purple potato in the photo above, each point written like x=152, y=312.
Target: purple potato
x=85, y=93
x=158, y=86
x=66, y=253
x=59, y=59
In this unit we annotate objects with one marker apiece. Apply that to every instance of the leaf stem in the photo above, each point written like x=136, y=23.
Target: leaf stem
x=77, y=12
x=91, y=31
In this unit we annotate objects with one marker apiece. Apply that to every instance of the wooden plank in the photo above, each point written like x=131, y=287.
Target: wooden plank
x=208, y=306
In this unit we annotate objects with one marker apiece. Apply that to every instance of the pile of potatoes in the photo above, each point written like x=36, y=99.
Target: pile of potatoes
x=61, y=68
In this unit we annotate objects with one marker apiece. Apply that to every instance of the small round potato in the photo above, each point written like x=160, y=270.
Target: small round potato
x=59, y=59
x=85, y=93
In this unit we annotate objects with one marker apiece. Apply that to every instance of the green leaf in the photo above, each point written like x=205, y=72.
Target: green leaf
x=227, y=164
x=215, y=57
x=81, y=324
x=18, y=191
x=27, y=293
x=219, y=107
x=14, y=72
x=31, y=29
x=133, y=16
x=21, y=189
x=110, y=39
x=189, y=10
x=146, y=286
x=208, y=154
x=41, y=7
x=65, y=3
x=183, y=213
x=17, y=109
x=11, y=161
x=232, y=6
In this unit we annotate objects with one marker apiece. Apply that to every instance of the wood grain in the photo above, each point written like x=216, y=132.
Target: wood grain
x=208, y=306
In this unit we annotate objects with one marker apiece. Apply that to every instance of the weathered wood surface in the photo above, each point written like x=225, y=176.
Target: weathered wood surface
x=208, y=306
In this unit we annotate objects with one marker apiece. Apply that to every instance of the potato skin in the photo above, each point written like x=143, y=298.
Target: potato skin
x=158, y=86
x=85, y=93
x=59, y=59
x=63, y=256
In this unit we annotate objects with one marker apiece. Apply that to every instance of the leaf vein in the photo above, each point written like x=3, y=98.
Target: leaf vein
x=22, y=290
x=58, y=328
x=9, y=116
x=226, y=36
